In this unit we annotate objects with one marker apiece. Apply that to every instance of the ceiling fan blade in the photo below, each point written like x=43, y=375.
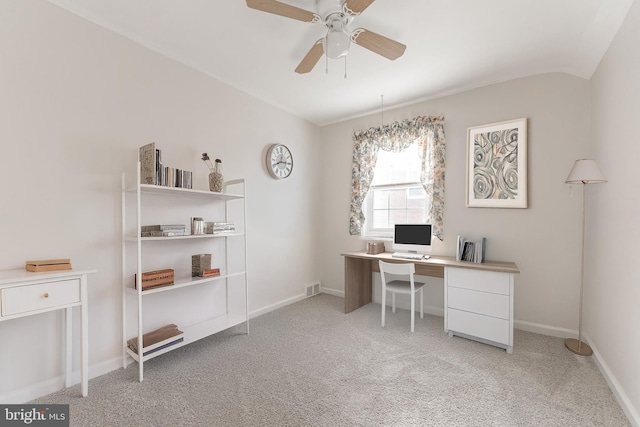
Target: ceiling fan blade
x=376, y=43
x=356, y=7
x=311, y=59
x=283, y=9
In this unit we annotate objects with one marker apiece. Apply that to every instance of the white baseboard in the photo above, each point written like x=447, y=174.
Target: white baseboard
x=276, y=306
x=34, y=391
x=52, y=385
x=334, y=292
x=539, y=328
x=614, y=385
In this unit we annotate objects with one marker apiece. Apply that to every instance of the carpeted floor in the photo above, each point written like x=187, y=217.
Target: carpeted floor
x=309, y=364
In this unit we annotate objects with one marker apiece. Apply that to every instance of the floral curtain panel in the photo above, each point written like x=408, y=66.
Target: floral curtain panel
x=428, y=133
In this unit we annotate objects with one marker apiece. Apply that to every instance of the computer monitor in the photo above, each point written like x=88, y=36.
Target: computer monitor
x=412, y=238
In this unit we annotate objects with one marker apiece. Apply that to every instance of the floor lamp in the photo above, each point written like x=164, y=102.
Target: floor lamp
x=584, y=171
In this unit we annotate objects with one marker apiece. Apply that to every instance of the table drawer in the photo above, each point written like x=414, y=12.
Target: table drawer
x=477, y=325
x=487, y=281
x=479, y=302
x=41, y=296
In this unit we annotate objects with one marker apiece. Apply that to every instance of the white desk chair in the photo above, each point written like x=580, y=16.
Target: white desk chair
x=400, y=287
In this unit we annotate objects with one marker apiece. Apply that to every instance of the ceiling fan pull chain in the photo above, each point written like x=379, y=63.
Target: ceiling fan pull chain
x=345, y=66
x=326, y=64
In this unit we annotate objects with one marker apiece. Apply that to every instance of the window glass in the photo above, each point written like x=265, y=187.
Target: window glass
x=396, y=195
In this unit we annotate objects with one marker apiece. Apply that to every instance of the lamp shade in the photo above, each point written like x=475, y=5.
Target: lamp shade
x=585, y=171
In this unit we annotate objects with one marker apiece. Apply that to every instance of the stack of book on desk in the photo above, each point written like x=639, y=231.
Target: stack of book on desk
x=157, y=340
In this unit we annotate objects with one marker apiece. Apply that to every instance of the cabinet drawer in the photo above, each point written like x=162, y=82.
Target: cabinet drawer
x=477, y=325
x=41, y=296
x=487, y=281
x=478, y=302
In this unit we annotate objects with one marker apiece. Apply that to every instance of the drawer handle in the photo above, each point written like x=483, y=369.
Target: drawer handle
x=46, y=295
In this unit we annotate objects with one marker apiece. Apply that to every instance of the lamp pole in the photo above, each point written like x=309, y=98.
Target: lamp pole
x=577, y=346
x=584, y=171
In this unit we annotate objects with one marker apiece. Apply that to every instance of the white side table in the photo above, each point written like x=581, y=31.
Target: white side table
x=24, y=293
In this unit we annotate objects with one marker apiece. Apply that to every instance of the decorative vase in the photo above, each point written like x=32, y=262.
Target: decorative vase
x=216, y=180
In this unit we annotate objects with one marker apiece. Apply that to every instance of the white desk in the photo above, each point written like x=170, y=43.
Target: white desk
x=478, y=298
x=24, y=293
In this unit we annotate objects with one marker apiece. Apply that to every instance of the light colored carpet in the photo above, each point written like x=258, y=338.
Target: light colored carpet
x=309, y=364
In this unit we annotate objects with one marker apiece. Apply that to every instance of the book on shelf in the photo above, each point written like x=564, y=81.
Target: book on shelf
x=157, y=340
x=210, y=272
x=155, y=279
x=170, y=233
x=472, y=250
x=220, y=227
x=154, y=172
x=168, y=230
x=163, y=227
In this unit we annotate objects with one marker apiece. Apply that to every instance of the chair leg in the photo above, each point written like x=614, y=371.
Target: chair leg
x=421, y=303
x=393, y=302
x=384, y=304
x=413, y=309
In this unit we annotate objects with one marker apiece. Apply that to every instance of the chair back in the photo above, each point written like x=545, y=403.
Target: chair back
x=398, y=269
x=404, y=268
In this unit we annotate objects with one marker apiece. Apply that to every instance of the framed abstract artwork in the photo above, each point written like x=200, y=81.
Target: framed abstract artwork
x=497, y=165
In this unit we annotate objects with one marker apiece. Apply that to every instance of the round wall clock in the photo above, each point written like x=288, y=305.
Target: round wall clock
x=279, y=161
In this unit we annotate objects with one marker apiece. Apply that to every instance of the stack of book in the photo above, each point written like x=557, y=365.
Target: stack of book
x=166, y=230
x=157, y=340
x=220, y=227
x=471, y=249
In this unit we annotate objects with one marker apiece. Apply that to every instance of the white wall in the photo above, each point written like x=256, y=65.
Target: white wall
x=612, y=284
x=76, y=102
x=542, y=240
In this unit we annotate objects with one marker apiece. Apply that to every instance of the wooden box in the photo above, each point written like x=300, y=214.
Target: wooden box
x=375, y=248
x=152, y=279
x=48, y=265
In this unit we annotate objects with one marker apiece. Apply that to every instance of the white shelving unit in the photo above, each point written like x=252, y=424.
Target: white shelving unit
x=232, y=283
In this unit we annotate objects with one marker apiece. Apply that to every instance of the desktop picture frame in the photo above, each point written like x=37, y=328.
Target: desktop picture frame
x=497, y=165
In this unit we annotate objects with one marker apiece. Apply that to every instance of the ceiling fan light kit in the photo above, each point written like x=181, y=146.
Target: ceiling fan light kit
x=336, y=16
x=337, y=41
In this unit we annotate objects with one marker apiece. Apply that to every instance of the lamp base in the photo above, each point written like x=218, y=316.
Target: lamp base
x=577, y=347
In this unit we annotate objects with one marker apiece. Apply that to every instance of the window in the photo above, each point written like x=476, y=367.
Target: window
x=426, y=134
x=396, y=195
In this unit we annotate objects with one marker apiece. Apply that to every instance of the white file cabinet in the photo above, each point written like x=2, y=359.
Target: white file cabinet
x=24, y=293
x=479, y=305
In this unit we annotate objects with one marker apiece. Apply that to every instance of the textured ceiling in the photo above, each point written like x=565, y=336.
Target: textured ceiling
x=451, y=46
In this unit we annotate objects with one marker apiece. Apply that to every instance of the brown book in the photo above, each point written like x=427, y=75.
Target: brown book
x=48, y=265
x=154, y=337
x=154, y=279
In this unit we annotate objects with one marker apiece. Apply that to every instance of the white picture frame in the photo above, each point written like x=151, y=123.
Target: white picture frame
x=497, y=165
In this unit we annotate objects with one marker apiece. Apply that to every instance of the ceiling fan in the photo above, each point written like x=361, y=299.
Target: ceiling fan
x=336, y=15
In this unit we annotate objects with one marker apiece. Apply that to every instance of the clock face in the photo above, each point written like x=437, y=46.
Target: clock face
x=279, y=161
